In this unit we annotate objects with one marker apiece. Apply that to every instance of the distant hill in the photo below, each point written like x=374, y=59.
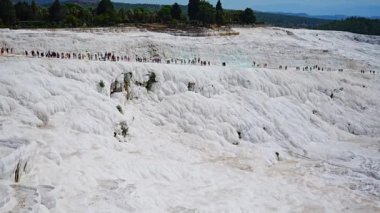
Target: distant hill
x=330, y=17
x=354, y=25
x=284, y=20
x=325, y=17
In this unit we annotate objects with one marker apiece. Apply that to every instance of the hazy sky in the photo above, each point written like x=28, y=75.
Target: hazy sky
x=312, y=7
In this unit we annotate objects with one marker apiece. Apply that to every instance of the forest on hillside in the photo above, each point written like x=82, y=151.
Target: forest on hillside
x=354, y=25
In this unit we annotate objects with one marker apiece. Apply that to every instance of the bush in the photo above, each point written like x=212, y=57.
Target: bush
x=17, y=173
x=124, y=130
x=101, y=84
x=151, y=81
x=118, y=107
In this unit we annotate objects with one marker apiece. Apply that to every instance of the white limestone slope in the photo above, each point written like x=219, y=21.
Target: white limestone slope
x=179, y=154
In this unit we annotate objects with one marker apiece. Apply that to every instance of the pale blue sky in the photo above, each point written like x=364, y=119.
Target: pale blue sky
x=312, y=7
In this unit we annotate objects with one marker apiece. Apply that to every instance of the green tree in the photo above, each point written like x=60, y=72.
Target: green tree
x=140, y=15
x=219, y=18
x=23, y=11
x=129, y=16
x=76, y=15
x=56, y=12
x=206, y=13
x=233, y=16
x=248, y=16
x=164, y=14
x=72, y=21
x=176, y=11
x=34, y=9
x=106, y=14
x=7, y=12
x=193, y=9
x=105, y=6
x=43, y=12
x=85, y=14
x=122, y=15
x=137, y=14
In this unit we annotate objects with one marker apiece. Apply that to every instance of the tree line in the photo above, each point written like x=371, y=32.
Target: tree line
x=199, y=13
